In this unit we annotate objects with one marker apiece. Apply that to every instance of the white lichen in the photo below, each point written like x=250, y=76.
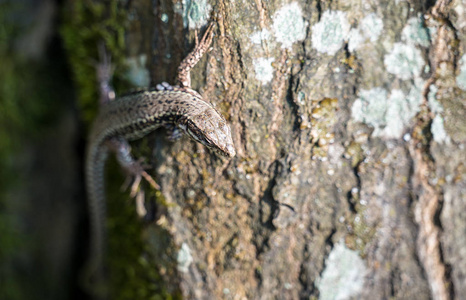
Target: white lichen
x=184, y=258
x=264, y=69
x=259, y=36
x=461, y=78
x=438, y=130
x=329, y=34
x=404, y=61
x=288, y=25
x=389, y=115
x=195, y=13
x=434, y=105
x=396, y=116
x=370, y=108
x=371, y=27
x=415, y=33
x=343, y=276
x=355, y=39
x=137, y=73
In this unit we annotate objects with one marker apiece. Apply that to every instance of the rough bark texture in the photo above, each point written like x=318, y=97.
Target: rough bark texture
x=348, y=120
x=350, y=177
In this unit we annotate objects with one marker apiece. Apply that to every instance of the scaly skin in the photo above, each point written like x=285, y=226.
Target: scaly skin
x=131, y=117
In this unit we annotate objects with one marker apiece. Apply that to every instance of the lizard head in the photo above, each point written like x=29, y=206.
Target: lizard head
x=211, y=129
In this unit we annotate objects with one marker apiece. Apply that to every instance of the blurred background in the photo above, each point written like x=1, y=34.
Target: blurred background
x=42, y=215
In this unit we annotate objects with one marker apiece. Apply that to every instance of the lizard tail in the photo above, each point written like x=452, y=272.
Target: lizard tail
x=93, y=277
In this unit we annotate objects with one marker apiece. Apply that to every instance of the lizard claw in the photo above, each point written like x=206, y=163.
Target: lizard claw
x=208, y=36
x=135, y=170
x=137, y=173
x=140, y=208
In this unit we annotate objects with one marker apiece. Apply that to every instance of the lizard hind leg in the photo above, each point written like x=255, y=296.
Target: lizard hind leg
x=135, y=170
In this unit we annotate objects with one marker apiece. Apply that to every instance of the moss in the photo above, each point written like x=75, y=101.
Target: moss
x=88, y=25
x=134, y=263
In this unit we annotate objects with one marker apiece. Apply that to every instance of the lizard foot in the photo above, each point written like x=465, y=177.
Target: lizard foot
x=164, y=86
x=104, y=75
x=136, y=172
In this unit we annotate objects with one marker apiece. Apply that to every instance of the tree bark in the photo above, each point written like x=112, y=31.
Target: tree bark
x=348, y=122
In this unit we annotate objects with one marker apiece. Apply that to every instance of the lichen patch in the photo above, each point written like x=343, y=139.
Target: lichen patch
x=264, y=69
x=137, y=72
x=404, y=61
x=461, y=78
x=329, y=34
x=288, y=25
x=195, y=13
x=389, y=115
x=343, y=276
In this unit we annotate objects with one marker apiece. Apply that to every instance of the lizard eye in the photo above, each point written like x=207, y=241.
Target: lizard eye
x=194, y=136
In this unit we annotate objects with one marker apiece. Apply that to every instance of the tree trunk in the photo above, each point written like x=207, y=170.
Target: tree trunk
x=348, y=122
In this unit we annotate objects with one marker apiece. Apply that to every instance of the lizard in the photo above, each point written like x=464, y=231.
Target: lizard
x=179, y=108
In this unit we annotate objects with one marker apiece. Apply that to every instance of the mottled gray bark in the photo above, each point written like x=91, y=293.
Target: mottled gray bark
x=348, y=121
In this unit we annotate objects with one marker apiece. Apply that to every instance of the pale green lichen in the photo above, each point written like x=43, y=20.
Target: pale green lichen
x=355, y=39
x=370, y=29
x=184, y=258
x=396, y=115
x=259, y=36
x=461, y=78
x=415, y=33
x=288, y=25
x=371, y=26
x=414, y=98
x=389, y=115
x=195, y=13
x=137, y=73
x=263, y=69
x=343, y=276
x=404, y=61
x=164, y=18
x=437, y=128
x=370, y=108
x=329, y=34
x=434, y=105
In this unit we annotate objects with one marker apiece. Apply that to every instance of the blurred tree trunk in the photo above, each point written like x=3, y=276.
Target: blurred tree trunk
x=348, y=122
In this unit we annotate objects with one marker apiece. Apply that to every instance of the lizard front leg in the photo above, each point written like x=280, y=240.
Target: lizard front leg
x=184, y=77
